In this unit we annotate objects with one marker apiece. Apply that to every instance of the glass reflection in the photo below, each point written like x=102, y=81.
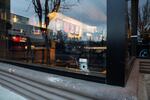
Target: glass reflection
x=77, y=36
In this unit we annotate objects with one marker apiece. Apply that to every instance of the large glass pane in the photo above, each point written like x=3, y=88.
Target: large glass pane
x=75, y=39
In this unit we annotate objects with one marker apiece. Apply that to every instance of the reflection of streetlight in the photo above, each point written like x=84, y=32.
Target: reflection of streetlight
x=43, y=25
x=52, y=15
x=15, y=19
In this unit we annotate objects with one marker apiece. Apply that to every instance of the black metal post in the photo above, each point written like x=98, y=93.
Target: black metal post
x=116, y=42
x=134, y=23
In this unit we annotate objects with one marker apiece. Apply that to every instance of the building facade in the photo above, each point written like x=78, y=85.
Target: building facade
x=21, y=26
x=75, y=28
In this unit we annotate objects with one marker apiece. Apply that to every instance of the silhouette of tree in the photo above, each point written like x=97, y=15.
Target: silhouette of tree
x=144, y=18
x=42, y=9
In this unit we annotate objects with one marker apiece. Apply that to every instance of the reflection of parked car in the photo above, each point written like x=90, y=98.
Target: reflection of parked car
x=143, y=50
x=17, y=42
x=16, y=46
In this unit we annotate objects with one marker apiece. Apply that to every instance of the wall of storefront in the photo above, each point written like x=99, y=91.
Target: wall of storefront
x=4, y=20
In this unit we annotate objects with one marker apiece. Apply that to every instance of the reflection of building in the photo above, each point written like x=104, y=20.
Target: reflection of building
x=4, y=20
x=20, y=26
x=19, y=19
x=96, y=36
x=72, y=27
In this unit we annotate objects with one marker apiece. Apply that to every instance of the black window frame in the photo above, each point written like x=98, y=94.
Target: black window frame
x=117, y=43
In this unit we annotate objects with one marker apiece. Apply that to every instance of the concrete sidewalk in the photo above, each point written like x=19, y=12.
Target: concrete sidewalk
x=147, y=84
x=27, y=79
x=144, y=65
x=6, y=94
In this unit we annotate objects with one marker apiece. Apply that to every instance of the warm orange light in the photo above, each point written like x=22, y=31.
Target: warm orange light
x=43, y=25
x=15, y=19
x=52, y=15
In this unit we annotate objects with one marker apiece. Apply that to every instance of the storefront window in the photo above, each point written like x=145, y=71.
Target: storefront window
x=72, y=37
x=76, y=36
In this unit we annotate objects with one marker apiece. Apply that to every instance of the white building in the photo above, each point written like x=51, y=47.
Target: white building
x=73, y=27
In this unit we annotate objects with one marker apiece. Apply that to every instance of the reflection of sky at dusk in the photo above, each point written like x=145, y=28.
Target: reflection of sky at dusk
x=92, y=12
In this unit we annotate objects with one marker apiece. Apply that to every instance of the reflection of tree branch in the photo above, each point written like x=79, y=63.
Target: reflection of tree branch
x=28, y=7
x=144, y=17
x=48, y=6
x=66, y=6
x=38, y=9
x=56, y=6
x=46, y=12
x=42, y=9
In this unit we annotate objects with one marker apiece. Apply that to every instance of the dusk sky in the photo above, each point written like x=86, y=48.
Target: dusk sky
x=92, y=12
x=93, y=16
